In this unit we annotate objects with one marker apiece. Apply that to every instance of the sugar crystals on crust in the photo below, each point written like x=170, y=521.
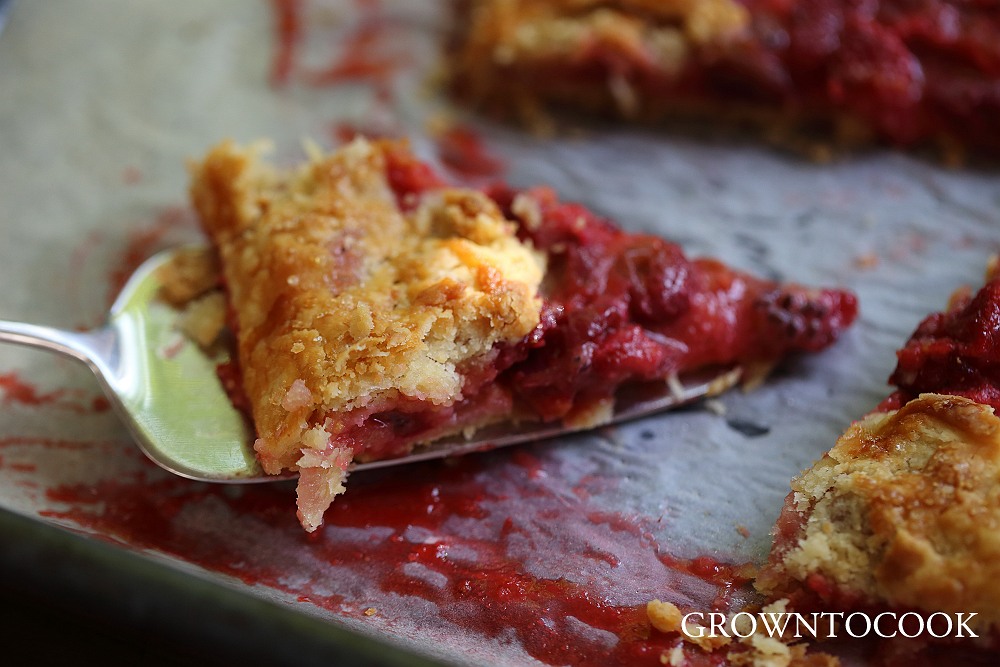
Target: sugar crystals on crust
x=903, y=512
x=346, y=304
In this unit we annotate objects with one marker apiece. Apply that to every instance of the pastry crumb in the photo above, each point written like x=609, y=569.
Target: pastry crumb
x=866, y=261
x=204, y=319
x=746, y=648
x=190, y=273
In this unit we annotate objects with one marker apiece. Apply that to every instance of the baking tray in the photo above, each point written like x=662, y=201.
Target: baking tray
x=545, y=553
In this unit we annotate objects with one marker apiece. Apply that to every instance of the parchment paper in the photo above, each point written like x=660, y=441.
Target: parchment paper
x=101, y=103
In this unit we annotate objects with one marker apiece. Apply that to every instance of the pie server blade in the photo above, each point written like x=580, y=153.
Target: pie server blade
x=166, y=391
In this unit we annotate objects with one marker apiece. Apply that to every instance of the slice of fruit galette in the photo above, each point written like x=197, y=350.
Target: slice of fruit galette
x=376, y=308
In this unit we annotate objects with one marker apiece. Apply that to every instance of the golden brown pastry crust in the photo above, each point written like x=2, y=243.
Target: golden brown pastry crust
x=526, y=29
x=814, y=77
x=501, y=41
x=904, y=511
x=345, y=302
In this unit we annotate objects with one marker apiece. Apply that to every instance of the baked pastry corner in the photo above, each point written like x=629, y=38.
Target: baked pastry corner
x=348, y=302
x=904, y=513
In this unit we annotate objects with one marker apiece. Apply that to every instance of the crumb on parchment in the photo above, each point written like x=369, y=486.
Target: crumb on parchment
x=755, y=650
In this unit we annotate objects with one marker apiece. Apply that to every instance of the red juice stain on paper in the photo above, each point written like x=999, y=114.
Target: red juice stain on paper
x=21, y=456
x=287, y=35
x=466, y=155
x=145, y=241
x=131, y=175
x=364, y=54
x=343, y=132
x=466, y=536
x=51, y=443
x=726, y=577
x=82, y=252
x=15, y=390
x=363, y=57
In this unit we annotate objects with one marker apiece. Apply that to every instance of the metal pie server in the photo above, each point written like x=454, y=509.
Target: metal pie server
x=166, y=391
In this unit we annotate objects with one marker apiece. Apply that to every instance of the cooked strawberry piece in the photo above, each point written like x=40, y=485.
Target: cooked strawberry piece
x=632, y=307
x=955, y=352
